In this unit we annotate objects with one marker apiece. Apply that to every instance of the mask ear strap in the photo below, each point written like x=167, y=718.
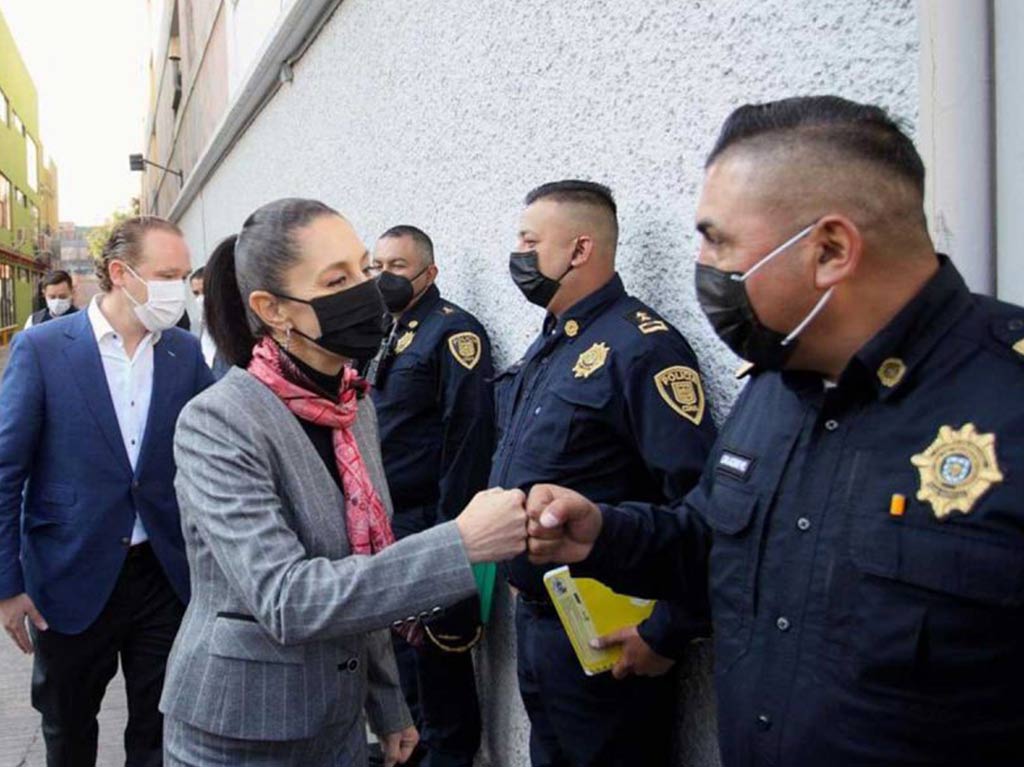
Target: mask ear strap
x=792, y=240
x=809, y=318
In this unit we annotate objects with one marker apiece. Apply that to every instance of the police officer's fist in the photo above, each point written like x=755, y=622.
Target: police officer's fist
x=493, y=526
x=563, y=525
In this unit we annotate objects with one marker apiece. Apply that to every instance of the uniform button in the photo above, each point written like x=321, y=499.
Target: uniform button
x=135, y=485
x=782, y=623
x=831, y=424
x=437, y=611
x=126, y=542
x=353, y=664
x=411, y=619
x=424, y=615
x=537, y=411
x=396, y=624
x=764, y=721
x=803, y=524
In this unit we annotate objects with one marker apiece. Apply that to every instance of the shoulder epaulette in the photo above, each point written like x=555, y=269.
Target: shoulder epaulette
x=646, y=321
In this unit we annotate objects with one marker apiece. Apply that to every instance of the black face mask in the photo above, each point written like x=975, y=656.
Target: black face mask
x=538, y=288
x=351, y=321
x=725, y=302
x=723, y=297
x=398, y=291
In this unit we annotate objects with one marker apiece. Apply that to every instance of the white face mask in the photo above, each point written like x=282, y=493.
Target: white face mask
x=165, y=305
x=58, y=306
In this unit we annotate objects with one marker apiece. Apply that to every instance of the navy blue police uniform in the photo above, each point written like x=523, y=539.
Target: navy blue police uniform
x=608, y=401
x=863, y=545
x=432, y=391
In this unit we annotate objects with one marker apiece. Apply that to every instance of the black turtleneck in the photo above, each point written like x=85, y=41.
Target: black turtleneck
x=321, y=436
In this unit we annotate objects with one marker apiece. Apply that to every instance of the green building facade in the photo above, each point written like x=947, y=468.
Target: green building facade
x=28, y=194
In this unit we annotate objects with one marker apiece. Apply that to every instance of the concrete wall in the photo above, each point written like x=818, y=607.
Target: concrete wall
x=444, y=113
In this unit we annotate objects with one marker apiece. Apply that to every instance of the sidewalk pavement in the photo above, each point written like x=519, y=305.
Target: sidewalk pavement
x=21, y=742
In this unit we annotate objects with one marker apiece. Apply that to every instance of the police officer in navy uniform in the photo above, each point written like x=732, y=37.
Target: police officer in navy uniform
x=608, y=400
x=432, y=391
x=860, y=524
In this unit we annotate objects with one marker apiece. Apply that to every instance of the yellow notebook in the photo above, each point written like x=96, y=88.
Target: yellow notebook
x=588, y=609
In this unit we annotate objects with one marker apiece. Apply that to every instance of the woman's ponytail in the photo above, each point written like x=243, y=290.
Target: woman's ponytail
x=226, y=314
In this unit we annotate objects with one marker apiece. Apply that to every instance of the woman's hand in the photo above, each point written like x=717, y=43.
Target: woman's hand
x=398, y=746
x=493, y=525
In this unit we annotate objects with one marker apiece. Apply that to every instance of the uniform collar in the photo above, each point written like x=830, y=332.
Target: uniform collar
x=412, y=318
x=890, y=358
x=578, y=316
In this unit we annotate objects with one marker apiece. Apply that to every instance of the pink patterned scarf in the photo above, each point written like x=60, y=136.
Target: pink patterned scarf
x=369, y=530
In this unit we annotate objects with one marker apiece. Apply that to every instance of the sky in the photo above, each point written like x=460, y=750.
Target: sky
x=86, y=58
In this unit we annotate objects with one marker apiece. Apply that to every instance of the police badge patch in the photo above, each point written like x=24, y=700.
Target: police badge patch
x=681, y=389
x=466, y=348
x=403, y=341
x=957, y=469
x=591, y=360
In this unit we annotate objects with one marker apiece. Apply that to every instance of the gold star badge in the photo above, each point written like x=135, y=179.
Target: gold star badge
x=466, y=349
x=572, y=328
x=957, y=469
x=403, y=341
x=681, y=389
x=591, y=360
x=891, y=372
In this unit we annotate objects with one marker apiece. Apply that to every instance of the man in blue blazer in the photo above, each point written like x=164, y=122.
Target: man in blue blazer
x=92, y=561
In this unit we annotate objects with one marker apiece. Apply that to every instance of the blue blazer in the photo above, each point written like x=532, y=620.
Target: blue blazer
x=68, y=495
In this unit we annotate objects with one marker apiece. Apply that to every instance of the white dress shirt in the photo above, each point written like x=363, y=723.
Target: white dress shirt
x=130, y=381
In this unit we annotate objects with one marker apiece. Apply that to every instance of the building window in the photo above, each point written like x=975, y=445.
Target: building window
x=6, y=214
x=18, y=124
x=19, y=197
x=4, y=109
x=32, y=158
x=6, y=296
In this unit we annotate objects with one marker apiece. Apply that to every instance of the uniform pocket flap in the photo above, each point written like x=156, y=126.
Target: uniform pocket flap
x=591, y=394
x=943, y=561
x=242, y=638
x=730, y=509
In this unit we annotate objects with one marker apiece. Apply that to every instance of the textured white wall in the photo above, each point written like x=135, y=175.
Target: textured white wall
x=443, y=113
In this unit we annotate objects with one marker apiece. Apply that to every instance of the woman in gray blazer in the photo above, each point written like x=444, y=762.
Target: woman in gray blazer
x=295, y=575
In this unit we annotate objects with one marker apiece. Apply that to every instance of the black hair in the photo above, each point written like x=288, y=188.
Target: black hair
x=422, y=240
x=257, y=258
x=574, y=190
x=56, y=277
x=197, y=274
x=860, y=131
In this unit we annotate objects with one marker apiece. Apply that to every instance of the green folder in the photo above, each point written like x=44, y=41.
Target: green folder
x=486, y=574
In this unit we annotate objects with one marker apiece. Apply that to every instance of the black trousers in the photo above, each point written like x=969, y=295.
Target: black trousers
x=71, y=671
x=440, y=689
x=587, y=721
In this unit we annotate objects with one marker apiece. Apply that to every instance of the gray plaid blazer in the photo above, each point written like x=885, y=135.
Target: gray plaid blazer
x=283, y=637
